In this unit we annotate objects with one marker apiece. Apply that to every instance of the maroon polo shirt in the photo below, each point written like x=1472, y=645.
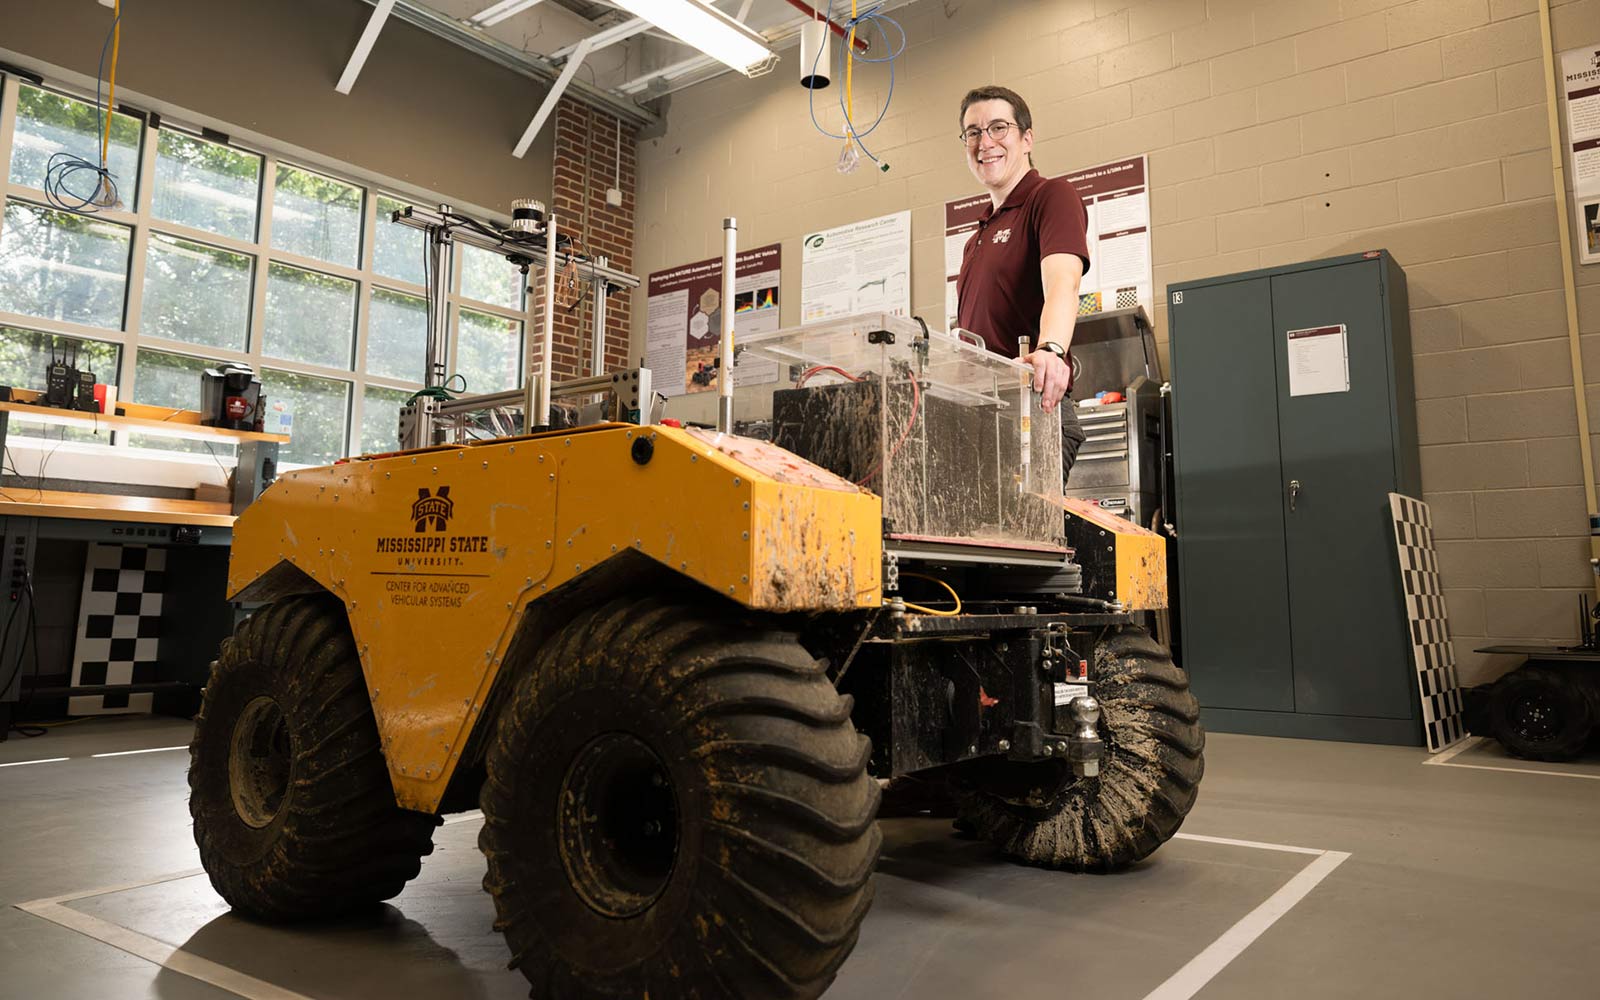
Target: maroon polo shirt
x=999, y=291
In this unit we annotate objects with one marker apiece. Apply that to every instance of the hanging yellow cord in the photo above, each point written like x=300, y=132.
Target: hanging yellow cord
x=935, y=611
x=849, y=64
x=111, y=95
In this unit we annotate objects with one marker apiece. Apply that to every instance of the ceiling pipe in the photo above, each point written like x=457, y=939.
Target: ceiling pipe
x=805, y=8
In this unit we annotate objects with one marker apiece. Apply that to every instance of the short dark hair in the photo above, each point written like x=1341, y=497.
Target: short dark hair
x=1019, y=107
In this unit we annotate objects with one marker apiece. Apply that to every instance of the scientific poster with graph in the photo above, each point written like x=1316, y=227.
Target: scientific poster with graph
x=1116, y=197
x=683, y=320
x=856, y=268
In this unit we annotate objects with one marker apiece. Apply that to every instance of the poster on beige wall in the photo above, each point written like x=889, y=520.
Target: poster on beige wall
x=860, y=267
x=1580, y=78
x=1116, y=197
x=683, y=320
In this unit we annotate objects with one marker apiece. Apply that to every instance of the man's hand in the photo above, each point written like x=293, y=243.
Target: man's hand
x=1050, y=376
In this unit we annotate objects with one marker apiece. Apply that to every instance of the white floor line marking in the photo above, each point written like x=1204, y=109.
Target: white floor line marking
x=1257, y=844
x=1201, y=969
x=1461, y=746
x=127, y=753
x=161, y=953
x=107, y=890
x=1528, y=770
x=465, y=817
x=42, y=760
x=1182, y=985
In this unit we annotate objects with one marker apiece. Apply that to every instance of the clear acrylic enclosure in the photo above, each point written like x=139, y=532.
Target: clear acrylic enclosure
x=951, y=435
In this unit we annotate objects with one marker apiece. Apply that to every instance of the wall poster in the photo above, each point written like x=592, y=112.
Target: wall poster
x=856, y=268
x=1116, y=197
x=683, y=320
x=1580, y=83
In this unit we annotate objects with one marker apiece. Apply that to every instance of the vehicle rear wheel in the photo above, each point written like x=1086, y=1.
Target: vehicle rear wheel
x=677, y=805
x=294, y=813
x=1149, y=776
x=1541, y=712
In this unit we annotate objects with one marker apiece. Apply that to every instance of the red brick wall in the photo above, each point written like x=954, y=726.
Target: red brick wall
x=585, y=166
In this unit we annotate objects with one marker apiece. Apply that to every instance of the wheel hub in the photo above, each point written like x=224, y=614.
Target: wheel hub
x=1535, y=719
x=618, y=825
x=259, y=758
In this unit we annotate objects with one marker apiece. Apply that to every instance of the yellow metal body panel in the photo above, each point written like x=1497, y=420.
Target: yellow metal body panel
x=437, y=553
x=1141, y=555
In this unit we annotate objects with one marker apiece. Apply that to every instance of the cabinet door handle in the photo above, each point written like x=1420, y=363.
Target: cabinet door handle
x=1294, y=493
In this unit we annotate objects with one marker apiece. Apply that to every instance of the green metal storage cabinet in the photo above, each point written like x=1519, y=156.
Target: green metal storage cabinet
x=1292, y=620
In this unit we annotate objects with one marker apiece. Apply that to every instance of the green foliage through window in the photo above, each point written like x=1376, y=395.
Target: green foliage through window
x=316, y=216
x=63, y=266
x=50, y=123
x=196, y=293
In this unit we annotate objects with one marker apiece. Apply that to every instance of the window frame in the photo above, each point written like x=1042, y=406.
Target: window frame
x=142, y=221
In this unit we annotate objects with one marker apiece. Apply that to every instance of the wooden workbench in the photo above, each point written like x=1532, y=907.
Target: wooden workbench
x=26, y=502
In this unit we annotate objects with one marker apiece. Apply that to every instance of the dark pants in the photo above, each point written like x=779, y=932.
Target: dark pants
x=1071, y=437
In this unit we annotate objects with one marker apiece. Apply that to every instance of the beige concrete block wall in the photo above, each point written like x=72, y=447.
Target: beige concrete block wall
x=1278, y=131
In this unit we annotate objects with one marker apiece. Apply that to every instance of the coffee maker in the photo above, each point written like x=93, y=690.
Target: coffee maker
x=230, y=395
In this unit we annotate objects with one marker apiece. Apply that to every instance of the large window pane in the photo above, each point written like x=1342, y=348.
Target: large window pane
x=23, y=357
x=488, y=352
x=316, y=216
x=48, y=124
x=63, y=266
x=380, y=419
x=321, y=410
x=196, y=293
x=162, y=379
x=396, y=250
x=207, y=185
x=310, y=316
x=397, y=335
x=490, y=278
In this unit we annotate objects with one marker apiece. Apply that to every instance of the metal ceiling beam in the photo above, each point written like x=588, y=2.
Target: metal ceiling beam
x=610, y=36
x=523, y=63
x=501, y=11
x=369, y=37
x=550, y=99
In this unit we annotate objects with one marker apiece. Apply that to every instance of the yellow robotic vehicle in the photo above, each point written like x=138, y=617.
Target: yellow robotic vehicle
x=671, y=664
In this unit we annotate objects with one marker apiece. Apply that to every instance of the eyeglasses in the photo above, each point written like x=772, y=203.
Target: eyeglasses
x=997, y=130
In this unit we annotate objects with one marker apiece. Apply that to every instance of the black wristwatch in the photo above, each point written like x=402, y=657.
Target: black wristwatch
x=1053, y=348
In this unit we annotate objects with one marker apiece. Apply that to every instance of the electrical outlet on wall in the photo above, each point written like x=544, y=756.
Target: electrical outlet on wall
x=614, y=197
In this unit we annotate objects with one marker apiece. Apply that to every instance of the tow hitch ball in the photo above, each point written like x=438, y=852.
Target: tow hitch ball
x=1084, y=747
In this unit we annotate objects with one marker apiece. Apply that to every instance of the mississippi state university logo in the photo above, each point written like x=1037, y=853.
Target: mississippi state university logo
x=1003, y=236
x=436, y=508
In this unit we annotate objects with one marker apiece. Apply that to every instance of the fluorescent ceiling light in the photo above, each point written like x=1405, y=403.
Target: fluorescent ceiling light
x=500, y=11
x=711, y=31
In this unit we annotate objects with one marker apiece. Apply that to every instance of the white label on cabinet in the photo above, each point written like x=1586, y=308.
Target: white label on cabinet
x=1319, y=361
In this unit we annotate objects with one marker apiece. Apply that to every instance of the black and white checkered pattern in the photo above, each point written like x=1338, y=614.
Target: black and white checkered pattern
x=1432, y=651
x=1127, y=298
x=119, y=626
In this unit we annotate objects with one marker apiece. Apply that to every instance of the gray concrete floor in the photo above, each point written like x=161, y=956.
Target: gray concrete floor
x=1462, y=882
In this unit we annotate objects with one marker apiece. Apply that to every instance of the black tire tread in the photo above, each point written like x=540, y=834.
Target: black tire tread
x=1149, y=777
x=1566, y=690
x=344, y=842
x=786, y=858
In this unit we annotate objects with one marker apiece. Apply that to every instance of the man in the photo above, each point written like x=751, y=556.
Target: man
x=1020, y=271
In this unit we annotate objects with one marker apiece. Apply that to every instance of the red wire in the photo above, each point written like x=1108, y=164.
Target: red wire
x=823, y=368
x=916, y=404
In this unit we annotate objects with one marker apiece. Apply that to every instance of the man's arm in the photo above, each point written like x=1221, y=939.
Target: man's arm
x=1061, y=273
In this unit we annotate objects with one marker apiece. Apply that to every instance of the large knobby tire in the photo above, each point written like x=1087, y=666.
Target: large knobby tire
x=1541, y=712
x=294, y=813
x=1149, y=775
x=677, y=805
